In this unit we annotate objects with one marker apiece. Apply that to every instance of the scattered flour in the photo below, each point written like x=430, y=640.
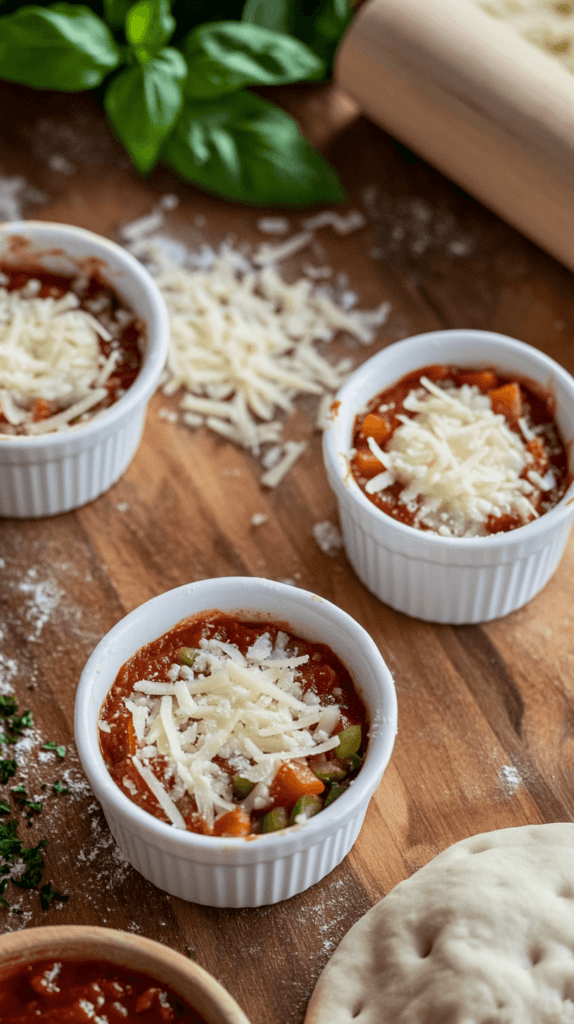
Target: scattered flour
x=328, y=537
x=44, y=598
x=15, y=194
x=509, y=778
x=410, y=230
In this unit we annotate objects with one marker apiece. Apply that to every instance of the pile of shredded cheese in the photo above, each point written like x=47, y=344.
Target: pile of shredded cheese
x=49, y=349
x=249, y=710
x=243, y=342
x=458, y=461
x=243, y=346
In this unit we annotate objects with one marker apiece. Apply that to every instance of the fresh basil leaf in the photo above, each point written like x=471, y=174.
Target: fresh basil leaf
x=248, y=150
x=149, y=25
x=318, y=23
x=225, y=56
x=143, y=104
x=64, y=46
x=115, y=12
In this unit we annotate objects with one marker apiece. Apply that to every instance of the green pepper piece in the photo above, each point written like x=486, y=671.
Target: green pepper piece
x=330, y=771
x=275, y=820
x=349, y=742
x=354, y=762
x=334, y=793
x=308, y=804
x=241, y=787
x=186, y=656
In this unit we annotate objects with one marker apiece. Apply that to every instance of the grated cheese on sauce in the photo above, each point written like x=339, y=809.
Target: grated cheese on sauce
x=458, y=460
x=50, y=350
x=247, y=709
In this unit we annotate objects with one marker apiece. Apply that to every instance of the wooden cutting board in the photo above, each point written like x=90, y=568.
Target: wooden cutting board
x=485, y=713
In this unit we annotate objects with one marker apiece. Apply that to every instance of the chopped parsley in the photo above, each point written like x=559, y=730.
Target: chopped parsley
x=60, y=750
x=20, y=865
x=7, y=770
x=48, y=894
x=14, y=724
x=30, y=807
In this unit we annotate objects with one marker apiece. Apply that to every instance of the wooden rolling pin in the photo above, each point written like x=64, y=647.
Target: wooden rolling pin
x=465, y=92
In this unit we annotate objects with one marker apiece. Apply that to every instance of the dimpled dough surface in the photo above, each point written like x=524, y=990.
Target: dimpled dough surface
x=483, y=934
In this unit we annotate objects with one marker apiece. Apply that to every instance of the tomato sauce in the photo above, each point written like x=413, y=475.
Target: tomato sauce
x=75, y=991
x=514, y=398
x=323, y=676
x=100, y=300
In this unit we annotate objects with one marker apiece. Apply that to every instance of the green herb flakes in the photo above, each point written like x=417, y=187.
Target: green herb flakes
x=21, y=865
x=59, y=749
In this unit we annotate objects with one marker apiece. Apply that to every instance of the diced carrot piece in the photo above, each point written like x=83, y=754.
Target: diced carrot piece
x=437, y=372
x=132, y=740
x=42, y=410
x=367, y=463
x=507, y=400
x=376, y=426
x=234, y=823
x=538, y=451
x=483, y=379
x=292, y=781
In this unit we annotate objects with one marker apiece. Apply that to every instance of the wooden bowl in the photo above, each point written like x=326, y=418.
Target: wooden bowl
x=194, y=985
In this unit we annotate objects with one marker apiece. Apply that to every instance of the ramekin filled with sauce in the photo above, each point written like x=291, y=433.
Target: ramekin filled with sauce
x=83, y=340
x=75, y=973
x=451, y=457
x=234, y=732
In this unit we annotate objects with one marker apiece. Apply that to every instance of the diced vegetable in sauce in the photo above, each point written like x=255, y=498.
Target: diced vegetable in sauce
x=444, y=475
x=272, y=721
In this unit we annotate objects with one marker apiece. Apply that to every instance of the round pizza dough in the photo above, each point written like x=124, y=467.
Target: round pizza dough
x=483, y=934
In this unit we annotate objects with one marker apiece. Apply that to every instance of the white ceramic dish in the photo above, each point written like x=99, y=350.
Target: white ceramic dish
x=52, y=473
x=268, y=868
x=76, y=942
x=448, y=579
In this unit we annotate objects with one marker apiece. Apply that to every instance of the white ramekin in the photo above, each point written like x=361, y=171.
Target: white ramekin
x=238, y=872
x=448, y=579
x=124, y=949
x=52, y=473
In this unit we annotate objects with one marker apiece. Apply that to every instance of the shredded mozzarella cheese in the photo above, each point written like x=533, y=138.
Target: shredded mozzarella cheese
x=246, y=709
x=458, y=461
x=49, y=349
x=243, y=341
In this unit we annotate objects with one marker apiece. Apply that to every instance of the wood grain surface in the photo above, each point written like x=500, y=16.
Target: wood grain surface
x=486, y=714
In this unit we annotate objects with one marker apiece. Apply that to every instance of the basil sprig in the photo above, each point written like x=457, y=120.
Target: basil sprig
x=189, y=104
x=225, y=56
x=143, y=104
x=64, y=46
x=318, y=23
x=246, y=149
